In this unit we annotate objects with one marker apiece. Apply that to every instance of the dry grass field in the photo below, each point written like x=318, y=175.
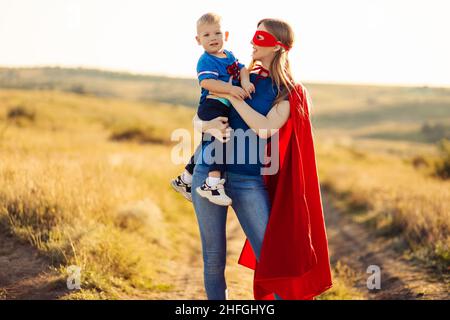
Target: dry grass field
x=84, y=180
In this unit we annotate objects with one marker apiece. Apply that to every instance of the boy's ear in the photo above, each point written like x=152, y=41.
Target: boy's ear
x=198, y=40
x=226, y=35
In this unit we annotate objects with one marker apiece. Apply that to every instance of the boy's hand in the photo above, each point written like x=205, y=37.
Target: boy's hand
x=248, y=87
x=238, y=92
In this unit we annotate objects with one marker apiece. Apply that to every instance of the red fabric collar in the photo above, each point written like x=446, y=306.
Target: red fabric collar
x=262, y=72
x=294, y=261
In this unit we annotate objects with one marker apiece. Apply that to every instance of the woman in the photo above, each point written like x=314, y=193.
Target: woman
x=259, y=118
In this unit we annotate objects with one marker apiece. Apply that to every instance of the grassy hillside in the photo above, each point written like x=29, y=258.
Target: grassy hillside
x=393, y=115
x=103, y=84
x=378, y=152
x=85, y=164
x=412, y=114
x=83, y=198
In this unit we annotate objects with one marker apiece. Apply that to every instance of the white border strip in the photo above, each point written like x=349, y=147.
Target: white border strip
x=207, y=72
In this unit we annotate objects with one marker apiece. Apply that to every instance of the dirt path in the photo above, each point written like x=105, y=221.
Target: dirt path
x=349, y=243
x=187, y=275
x=352, y=245
x=24, y=274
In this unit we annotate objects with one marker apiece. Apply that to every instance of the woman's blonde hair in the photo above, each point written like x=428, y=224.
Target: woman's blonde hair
x=280, y=70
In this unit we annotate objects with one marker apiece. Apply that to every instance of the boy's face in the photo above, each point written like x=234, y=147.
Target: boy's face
x=210, y=37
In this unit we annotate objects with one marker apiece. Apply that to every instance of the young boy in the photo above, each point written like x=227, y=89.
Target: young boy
x=214, y=69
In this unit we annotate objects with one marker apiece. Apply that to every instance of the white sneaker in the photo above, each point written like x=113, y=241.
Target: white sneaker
x=215, y=194
x=184, y=188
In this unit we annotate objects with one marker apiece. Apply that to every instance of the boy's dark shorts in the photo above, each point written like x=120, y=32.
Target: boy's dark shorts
x=212, y=108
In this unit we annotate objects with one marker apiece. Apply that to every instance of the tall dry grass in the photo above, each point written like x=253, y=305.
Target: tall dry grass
x=84, y=199
x=389, y=194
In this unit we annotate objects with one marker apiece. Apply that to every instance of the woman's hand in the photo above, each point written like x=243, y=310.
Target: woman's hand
x=238, y=92
x=248, y=87
x=241, y=93
x=217, y=127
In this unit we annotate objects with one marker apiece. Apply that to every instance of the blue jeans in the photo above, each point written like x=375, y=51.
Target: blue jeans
x=252, y=206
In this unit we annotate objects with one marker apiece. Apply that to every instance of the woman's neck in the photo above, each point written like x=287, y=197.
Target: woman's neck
x=265, y=63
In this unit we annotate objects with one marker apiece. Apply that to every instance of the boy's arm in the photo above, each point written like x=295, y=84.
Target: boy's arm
x=245, y=75
x=248, y=87
x=219, y=86
x=214, y=85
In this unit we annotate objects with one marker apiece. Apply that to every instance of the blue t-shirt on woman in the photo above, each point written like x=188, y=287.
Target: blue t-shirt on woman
x=245, y=150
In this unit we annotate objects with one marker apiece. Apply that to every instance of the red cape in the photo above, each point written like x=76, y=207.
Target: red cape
x=294, y=261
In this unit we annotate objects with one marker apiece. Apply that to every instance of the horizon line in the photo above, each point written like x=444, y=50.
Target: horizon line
x=140, y=73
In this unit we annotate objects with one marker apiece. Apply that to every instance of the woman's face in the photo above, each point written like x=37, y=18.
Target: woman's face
x=262, y=53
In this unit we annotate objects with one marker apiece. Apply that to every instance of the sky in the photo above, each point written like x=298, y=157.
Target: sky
x=346, y=41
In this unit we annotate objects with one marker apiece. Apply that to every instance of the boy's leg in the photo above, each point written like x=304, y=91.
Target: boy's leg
x=213, y=178
x=211, y=109
x=183, y=182
x=208, y=110
x=217, y=169
x=183, y=185
x=213, y=187
x=191, y=165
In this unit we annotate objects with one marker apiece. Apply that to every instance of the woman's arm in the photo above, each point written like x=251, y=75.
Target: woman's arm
x=264, y=126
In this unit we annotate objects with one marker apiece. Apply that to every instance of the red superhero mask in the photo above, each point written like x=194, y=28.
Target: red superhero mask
x=265, y=39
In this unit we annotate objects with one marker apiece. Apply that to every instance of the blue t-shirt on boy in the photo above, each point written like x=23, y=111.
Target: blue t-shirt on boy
x=212, y=67
x=246, y=158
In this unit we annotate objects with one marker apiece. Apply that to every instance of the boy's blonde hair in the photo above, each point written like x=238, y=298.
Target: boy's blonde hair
x=209, y=18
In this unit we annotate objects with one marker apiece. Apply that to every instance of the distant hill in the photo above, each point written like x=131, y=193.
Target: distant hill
x=103, y=84
x=394, y=113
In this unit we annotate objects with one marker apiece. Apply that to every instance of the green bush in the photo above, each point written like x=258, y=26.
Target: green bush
x=137, y=134
x=442, y=166
x=21, y=112
x=435, y=132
